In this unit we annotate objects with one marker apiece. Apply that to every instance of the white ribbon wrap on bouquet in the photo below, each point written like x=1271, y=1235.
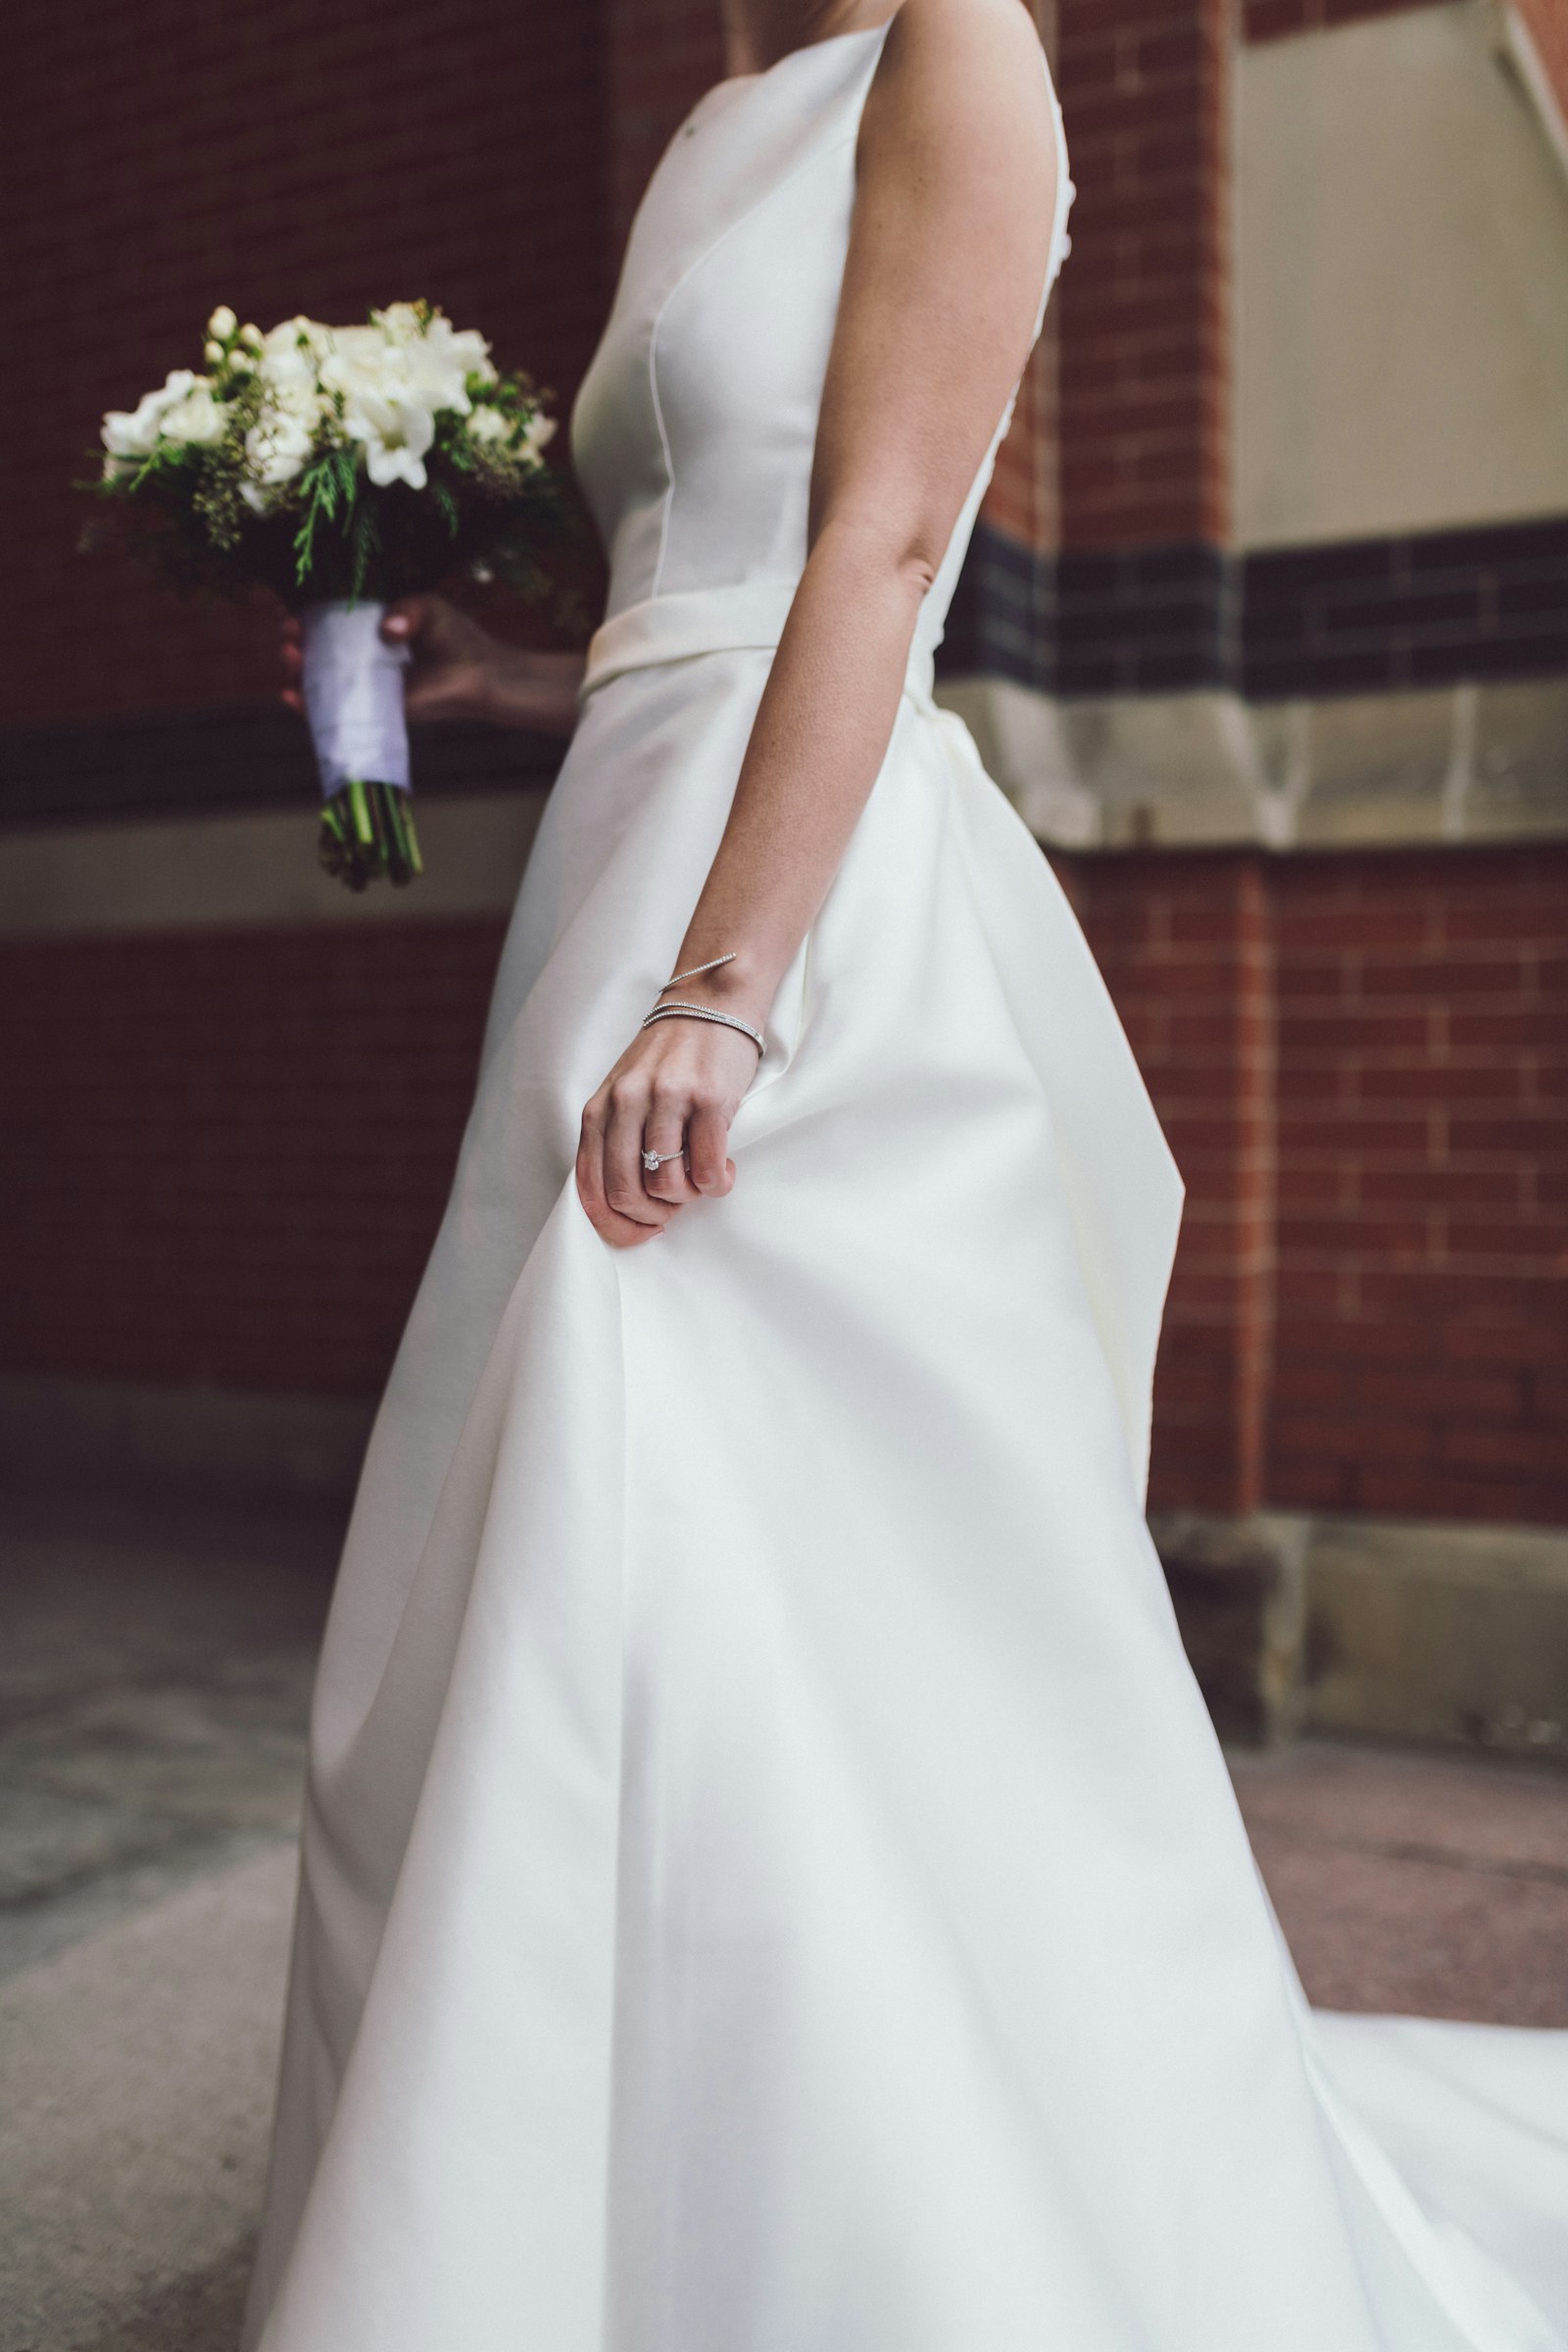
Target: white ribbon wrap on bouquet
x=354, y=696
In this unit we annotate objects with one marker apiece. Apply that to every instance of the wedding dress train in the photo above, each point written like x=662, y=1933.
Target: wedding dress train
x=769, y=1883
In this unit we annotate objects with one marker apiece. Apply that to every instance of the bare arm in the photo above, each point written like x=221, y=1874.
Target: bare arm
x=947, y=255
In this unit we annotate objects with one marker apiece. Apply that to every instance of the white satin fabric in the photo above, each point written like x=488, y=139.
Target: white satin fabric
x=769, y=1883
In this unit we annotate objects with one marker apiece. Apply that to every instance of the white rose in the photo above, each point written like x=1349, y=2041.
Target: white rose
x=396, y=431
x=133, y=433
x=223, y=322
x=198, y=419
x=251, y=337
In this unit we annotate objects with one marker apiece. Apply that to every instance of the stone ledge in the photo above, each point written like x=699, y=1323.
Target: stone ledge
x=252, y=866
x=1390, y=1628
x=1450, y=764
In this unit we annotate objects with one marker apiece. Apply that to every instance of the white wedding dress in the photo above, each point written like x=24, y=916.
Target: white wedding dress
x=769, y=1883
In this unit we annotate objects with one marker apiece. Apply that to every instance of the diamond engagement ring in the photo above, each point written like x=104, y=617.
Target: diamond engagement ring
x=653, y=1161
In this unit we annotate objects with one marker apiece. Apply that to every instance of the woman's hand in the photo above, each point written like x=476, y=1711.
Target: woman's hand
x=458, y=670
x=674, y=1091
x=452, y=660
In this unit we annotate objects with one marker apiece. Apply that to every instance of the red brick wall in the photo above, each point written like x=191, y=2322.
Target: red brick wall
x=1423, y=1221
x=296, y=158
x=227, y=1156
x=1145, y=302
x=1393, y=1337
x=1267, y=19
x=227, y=1152
x=1547, y=21
x=1184, y=944
x=1024, y=498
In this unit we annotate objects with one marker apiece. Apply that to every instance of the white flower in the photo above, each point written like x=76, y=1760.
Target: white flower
x=251, y=337
x=488, y=424
x=400, y=322
x=539, y=429
x=463, y=351
x=197, y=418
x=133, y=433
x=438, y=357
x=278, y=444
x=396, y=430
x=214, y=355
x=293, y=410
x=291, y=377
x=360, y=356
x=223, y=322
x=298, y=338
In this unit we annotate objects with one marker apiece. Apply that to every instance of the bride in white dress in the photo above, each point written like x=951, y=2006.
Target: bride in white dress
x=769, y=1883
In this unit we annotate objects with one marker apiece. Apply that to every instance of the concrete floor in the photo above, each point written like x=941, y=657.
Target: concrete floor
x=154, y=1674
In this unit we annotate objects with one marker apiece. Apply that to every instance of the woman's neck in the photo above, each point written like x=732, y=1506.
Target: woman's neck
x=758, y=32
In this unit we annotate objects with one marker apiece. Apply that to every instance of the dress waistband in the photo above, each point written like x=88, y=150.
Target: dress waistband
x=747, y=617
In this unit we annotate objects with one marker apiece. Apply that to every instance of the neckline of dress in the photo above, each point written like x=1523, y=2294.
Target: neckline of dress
x=752, y=81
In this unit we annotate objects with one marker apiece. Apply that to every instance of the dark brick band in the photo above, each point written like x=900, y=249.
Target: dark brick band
x=208, y=763
x=1429, y=610
x=1364, y=616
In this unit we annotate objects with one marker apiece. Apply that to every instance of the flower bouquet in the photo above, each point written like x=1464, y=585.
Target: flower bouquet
x=341, y=466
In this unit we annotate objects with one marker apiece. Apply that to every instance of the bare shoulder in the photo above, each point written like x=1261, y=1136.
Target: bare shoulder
x=965, y=81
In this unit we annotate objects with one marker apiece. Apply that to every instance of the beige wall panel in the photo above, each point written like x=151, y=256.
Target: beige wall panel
x=1403, y=282
x=200, y=872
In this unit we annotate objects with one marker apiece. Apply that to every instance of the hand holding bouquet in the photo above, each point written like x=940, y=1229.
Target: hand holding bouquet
x=341, y=467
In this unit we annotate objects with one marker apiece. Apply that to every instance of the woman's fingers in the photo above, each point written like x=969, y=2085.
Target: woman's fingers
x=675, y=1087
x=711, y=1171
x=403, y=622
x=291, y=652
x=621, y=1231
x=629, y=1105
x=664, y=1133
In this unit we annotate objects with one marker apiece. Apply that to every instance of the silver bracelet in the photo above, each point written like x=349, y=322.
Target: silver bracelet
x=697, y=969
x=706, y=1012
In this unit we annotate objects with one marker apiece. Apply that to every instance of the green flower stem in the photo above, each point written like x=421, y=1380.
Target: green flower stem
x=367, y=835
